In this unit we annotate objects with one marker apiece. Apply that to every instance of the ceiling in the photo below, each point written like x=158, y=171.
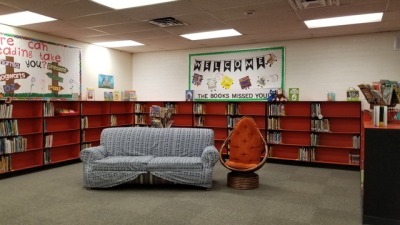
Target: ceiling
x=259, y=21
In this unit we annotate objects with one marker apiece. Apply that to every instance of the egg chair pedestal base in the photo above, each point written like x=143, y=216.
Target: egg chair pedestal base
x=242, y=180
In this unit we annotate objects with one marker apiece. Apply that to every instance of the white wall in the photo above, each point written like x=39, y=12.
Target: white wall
x=95, y=60
x=316, y=66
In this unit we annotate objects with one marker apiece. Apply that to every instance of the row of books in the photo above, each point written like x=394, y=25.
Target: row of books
x=84, y=122
x=314, y=139
x=316, y=110
x=199, y=121
x=8, y=127
x=173, y=107
x=354, y=158
x=6, y=110
x=306, y=154
x=231, y=121
x=5, y=163
x=12, y=145
x=274, y=137
x=199, y=108
x=47, y=156
x=276, y=109
x=48, y=109
x=318, y=125
x=140, y=119
x=274, y=123
x=356, y=142
x=140, y=108
x=86, y=145
x=233, y=109
x=48, y=141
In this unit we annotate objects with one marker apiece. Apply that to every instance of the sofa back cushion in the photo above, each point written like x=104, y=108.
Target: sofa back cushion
x=140, y=141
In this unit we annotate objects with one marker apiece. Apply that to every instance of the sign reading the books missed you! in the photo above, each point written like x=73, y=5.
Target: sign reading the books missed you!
x=241, y=75
x=37, y=69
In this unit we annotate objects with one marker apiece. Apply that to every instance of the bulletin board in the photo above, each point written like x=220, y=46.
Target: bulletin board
x=242, y=75
x=36, y=69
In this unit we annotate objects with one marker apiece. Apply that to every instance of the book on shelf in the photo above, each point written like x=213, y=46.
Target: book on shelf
x=5, y=163
x=113, y=119
x=6, y=110
x=48, y=141
x=294, y=94
x=380, y=116
x=129, y=95
x=108, y=96
x=354, y=158
x=84, y=122
x=90, y=94
x=189, y=94
x=47, y=156
x=117, y=96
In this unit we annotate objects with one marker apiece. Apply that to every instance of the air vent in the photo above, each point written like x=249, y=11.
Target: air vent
x=166, y=22
x=310, y=4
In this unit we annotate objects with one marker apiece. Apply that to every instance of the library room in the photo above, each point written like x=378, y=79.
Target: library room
x=246, y=112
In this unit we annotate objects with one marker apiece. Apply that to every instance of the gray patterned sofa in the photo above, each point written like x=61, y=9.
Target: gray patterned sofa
x=178, y=155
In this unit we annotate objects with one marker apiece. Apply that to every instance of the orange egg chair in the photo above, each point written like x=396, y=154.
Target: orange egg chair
x=243, y=152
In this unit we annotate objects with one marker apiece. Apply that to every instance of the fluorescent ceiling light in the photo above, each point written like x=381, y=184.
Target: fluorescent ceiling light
x=212, y=34
x=118, y=43
x=24, y=18
x=123, y=4
x=344, y=20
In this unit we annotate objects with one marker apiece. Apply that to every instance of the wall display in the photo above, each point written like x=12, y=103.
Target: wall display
x=37, y=69
x=241, y=75
x=294, y=94
x=106, y=81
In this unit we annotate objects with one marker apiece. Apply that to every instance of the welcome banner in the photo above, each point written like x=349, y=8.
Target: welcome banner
x=243, y=75
x=37, y=69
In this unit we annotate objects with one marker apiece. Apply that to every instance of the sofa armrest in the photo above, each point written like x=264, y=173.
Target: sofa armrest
x=209, y=156
x=89, y=155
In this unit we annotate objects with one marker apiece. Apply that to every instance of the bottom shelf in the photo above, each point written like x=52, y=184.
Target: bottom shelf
x=61, y=154
x=334, y=156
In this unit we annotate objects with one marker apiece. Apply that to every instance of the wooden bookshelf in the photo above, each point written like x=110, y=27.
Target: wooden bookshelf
x=182, y=114
x=61, y=131
x=289, y=127
x=212, y=115
x=121, y=114
x=25, y=124
x=319, y=132
x=95, y=116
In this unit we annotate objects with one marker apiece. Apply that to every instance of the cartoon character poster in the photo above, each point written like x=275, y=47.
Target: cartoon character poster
x=37, y=69
x=106, y=81
x=241, y=75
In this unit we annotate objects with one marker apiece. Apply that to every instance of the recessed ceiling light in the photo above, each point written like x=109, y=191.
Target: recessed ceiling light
x=23, y=18
x=118, y=43
x=211, y=34
x=123, y=4
x=344, y=20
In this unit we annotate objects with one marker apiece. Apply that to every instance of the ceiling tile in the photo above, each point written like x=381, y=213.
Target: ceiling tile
x=33, y=4
x=211, y=5
x=170, y=9
x=69, y=10
x=101, y=19
x=126, y=27
x=137, y=36
x=5, y=9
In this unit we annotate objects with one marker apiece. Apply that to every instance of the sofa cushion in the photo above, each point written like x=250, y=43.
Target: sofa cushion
x=122, y=163
x=175, y=163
